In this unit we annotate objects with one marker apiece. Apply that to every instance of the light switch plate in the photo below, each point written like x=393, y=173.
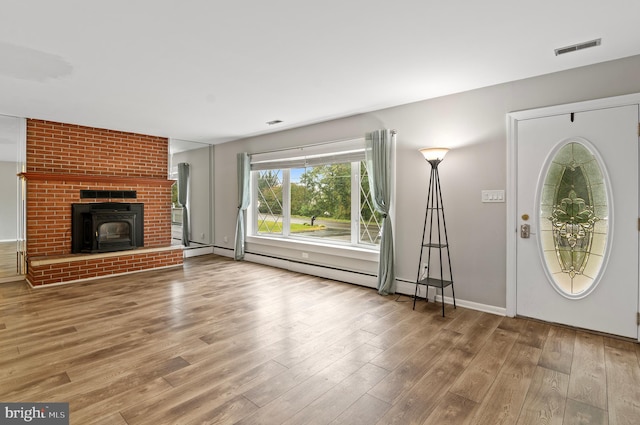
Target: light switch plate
x=493, y=196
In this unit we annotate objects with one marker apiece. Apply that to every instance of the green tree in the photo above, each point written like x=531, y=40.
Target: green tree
x=298, y=199
x=327, y=191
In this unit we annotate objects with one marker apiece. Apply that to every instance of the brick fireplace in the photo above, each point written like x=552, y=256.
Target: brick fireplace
x=65, y=159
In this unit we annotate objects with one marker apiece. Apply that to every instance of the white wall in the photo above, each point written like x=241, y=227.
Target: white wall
x=473, y=125
x=9, y=204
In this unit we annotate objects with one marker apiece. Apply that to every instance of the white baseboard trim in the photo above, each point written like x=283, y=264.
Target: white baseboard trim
x=402, y=287
x=408, y=288
x=196, y=251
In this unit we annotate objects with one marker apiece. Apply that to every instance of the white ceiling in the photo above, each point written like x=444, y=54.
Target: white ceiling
x=213, y=71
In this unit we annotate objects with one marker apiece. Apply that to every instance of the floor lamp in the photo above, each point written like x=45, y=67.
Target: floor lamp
x=434, y=247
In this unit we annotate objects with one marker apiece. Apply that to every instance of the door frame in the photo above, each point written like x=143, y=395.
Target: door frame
x=512, y=119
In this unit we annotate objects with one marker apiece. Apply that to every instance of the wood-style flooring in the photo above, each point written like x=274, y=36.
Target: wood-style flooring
x=225, y=342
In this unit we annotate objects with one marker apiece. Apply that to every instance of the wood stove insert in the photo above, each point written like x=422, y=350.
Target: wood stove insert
x=107, y=227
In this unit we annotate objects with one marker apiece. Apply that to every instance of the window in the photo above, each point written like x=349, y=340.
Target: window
x=574, y=219
x=321, y=196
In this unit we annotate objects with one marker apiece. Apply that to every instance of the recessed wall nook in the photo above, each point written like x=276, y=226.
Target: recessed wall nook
x=71, y=165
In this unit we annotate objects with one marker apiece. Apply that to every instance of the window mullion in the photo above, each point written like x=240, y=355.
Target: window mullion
x=355, y=203
x=252, y=211
x=286, y=202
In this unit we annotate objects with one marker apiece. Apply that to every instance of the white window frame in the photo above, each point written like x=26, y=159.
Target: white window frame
x=297, y=158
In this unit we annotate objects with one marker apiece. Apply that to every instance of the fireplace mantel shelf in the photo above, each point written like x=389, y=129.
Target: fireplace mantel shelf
x=96, y=178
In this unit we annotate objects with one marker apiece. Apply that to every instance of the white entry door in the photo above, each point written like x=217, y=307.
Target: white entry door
x=577, y=212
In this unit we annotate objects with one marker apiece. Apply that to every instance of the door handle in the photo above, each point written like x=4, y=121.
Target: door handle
x=525, y=231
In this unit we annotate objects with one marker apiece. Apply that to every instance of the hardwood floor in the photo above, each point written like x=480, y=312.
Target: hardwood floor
x=224, y=342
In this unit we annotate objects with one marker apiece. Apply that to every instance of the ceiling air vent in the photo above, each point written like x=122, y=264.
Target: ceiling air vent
x=579, y=46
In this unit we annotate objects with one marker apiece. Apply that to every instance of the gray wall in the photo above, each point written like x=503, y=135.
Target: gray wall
x=473, y=125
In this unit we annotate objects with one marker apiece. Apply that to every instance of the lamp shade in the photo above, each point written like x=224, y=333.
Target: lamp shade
x=434, y=154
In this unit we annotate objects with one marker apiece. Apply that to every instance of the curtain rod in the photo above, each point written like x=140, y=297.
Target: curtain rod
x=393, y=132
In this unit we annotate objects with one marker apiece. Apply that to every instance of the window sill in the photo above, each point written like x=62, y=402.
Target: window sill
x=317, y=248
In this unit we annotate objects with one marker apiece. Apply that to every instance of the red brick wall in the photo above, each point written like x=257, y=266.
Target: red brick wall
x=93, y=159
x=72, y=149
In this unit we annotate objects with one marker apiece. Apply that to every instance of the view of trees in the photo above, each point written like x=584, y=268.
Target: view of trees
x=318, y=193
x=323, y=191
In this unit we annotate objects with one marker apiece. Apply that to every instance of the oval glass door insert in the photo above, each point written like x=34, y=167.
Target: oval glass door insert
x=574, y=219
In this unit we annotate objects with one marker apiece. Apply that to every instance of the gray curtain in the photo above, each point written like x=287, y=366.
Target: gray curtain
x=379, y=149
x=243, y=169
x=183, y=190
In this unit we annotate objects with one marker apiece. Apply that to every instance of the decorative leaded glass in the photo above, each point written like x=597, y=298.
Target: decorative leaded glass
x=574, y=214
x=270, y=202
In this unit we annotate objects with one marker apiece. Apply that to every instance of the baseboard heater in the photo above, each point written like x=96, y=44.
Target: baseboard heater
x=320, y=270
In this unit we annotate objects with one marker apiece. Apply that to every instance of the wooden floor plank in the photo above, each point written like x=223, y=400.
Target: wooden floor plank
x=619, y=343
x=221, y=341
x=187, y=400
x=534, y=333
x=288, y=404
x=295, y=399
x=546, y=398
x=475, y=381
x=400, y=326
x=624, y=397
x=557, y=353
x=588, y=381
x=227, y=413
x=146, y=391
x=268, y=391
x=399, y=352
x=476, y=334
x=366, y=410
x=338, y=399
x=577, y=413
x=503, y=403
x=417, y=403
x=452, y=410
x=409, y=372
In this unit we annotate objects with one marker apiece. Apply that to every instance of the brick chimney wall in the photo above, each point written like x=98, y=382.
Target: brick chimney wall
x=63, y=159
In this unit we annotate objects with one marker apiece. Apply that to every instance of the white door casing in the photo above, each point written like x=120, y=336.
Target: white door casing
x=609, y=129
